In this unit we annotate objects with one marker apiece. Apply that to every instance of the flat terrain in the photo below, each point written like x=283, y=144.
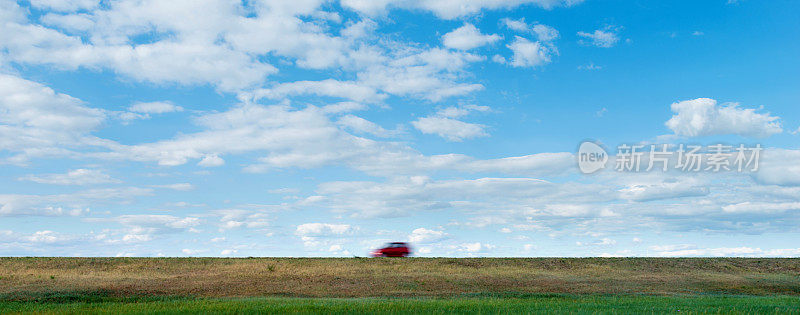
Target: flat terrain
x=526, y=305
x=410, y=284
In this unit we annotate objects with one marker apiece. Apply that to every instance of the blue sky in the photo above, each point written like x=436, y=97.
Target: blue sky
x=326, y=128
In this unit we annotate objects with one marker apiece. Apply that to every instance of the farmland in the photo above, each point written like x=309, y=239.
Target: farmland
x=413, y=284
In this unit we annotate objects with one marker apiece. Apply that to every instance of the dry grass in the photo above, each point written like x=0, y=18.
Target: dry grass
x=360, y=277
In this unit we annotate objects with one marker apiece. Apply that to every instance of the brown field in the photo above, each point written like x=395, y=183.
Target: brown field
x=386, y=277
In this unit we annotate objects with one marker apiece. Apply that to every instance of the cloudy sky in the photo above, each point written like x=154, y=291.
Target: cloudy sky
x=325, y=128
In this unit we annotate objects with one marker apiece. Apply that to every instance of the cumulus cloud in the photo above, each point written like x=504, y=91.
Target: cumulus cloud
x=211, y=160
x=324, y=237
x=468, y=37
x=65, y=5
x=308, y=138
x=664, y=190
x=242, y=218
x=38, y=121
x=530, y=54
x=704, y=117
x=728, y=252
x=403, y=196
x=222, y=45
x=448, y=128
x=142, y=110
x=428, y=74
x=71, y=204
x=362, y=125
x=761, y=207
x=322, y=229
x=155, y=108
x=73, y=177
x=779, y=167
x=448, y=9
x=355, y=91
x=230, y=45
x=424, y=236
x=545, y=33
x=607, y=37
x=141, y=228
x=474, y=247
x=517, y=25
x=178, y=186
x=444, y=124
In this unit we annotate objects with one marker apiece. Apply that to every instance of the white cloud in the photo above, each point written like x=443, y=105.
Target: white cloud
x=499, y=59
x=355, y=91
x=192, y=252
x=227, y=44
x=155, y=221
x=37, y=121
x=601, y=242
x=308, y=138
x=517, y=25
x=322, y=229
x=37, y=239
x=211, y=160
x=731, y=252
x=186, y=62
x=155, y=108
x=663, y=190
x=448, y=9
x=461, y=111
x=589, y=66
x=403, y=196
x=65, y=5
x=343, y=107
x=73, y=177
x=426, y=236
x=468, y=37
x=703, y=117
x=444, y=124
x=545, y=33
x=222, y=44
x=238, y=218
x=428, y=74
x=362, y=125
x=448, y=128
x=178, y=186
x=779, y=167
x=44, y=237
x=474, y=247
x=761, y=207
x=606, y=37
x=72, y=204
x=141, y=228
x=530, y=54
x=324, y=237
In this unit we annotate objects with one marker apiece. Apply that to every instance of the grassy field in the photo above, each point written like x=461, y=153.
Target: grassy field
x=492, y=305
x=710, y=285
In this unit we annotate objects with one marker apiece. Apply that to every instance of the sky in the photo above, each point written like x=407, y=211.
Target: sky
x=327, y=128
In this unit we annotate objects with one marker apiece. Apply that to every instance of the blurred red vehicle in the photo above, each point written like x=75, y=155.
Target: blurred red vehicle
x=394, y=249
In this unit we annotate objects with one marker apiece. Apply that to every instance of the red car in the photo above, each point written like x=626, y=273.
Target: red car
x=395, y=249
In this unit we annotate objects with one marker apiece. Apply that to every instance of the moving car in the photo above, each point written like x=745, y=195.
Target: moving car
x=394, y=249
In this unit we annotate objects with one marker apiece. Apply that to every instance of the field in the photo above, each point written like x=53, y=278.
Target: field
x=278, y=285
